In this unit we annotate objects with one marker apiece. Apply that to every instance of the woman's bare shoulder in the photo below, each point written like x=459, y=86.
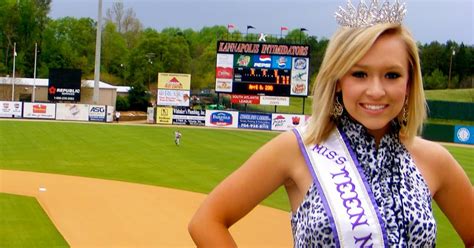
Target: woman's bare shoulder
x=429, y=151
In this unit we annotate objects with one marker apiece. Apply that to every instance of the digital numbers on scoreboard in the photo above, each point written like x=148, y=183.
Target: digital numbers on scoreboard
x=262, y=69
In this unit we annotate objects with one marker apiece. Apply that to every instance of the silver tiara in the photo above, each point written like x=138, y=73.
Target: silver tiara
x=366, y=16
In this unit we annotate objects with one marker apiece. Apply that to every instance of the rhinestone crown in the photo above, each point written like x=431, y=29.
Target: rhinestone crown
x=366, y=16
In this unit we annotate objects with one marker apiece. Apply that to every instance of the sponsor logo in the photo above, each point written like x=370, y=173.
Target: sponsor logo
x=262, y=61
x=463, y=134
x=221, y=119
x=39, y=109
x=279, y=121
x=298, y=88
x=6, y=105
x=300, y=64
x=282, y=61
x=98, y=109
x=16, y=105
x=224, y=72
x=52, y=90
x=295, y=120
x=174, y=84
x=243, y=60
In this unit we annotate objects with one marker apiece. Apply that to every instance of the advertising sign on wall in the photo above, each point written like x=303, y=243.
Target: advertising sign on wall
x=173, y=97
x=275, y=100
x=188, y=116
x=39, y=110
x=64, y=85
x=110, y=113
x=97, y=113
x=255, y=121
x=164, y=115
x=283, y=122
x=464, y=134
x=249, y=99
x=150, y=115
x=216, y=118
x=72, y=112
x=11, y=109
x=174, y=81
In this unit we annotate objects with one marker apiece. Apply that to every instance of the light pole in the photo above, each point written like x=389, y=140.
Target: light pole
x=13, y=78
x=301, y=32
x=34, y=74
x=450, y=65
x=149, y=63
x=98, y=40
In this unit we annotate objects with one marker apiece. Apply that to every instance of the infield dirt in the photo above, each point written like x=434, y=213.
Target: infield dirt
x=103, y=213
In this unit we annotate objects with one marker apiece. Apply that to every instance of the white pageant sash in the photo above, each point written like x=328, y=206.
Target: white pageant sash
x=346, y=196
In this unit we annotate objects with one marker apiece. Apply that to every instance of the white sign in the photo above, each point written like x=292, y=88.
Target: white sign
x=110, y=113
x=299, y=76
x=11, y=109
x=275, y=100
x=39, y=110
x=283, y=122
x=72, y=112
x=173, y=97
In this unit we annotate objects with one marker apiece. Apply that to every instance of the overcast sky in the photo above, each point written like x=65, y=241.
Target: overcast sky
x=429, y=20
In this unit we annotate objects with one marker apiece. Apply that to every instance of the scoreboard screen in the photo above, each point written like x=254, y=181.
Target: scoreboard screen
x=262, y=68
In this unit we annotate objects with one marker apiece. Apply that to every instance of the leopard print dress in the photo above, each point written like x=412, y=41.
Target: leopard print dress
x=402, y=195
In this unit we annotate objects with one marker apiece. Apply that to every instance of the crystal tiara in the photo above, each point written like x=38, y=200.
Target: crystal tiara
x=366, y=16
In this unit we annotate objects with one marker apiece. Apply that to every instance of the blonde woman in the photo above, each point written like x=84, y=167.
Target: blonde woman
x=357, y=175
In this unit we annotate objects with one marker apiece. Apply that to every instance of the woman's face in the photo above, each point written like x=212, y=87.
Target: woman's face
x=374, y=89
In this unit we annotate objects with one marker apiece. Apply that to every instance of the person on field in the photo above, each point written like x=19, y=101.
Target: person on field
x=177, y=137
x=117, y=116
x=357, y=175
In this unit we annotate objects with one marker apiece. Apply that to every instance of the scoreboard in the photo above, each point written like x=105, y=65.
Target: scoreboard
x=269, y=69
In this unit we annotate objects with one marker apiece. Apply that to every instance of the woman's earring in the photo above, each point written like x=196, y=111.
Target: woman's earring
x=337, y=109
x=405, y=113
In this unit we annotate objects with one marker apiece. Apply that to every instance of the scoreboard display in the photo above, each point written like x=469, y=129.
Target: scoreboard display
x=269, y=69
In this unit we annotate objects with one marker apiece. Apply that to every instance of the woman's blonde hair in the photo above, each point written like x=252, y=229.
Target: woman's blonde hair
x=345, y=49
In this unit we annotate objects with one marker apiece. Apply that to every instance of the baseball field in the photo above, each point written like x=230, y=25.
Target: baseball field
x=132, y=155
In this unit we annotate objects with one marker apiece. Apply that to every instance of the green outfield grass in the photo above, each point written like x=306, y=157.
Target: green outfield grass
x=148, y=155
x=451, y=95
x=23, y=223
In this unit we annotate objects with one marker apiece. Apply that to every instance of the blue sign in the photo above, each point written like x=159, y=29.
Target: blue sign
x=255, y=121
x=281, y=62
x=464, y=134
x=221, y=119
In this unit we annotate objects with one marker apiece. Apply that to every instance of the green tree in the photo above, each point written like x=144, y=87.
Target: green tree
x=22, y=23
x=436, y=80
x=139, y=97
x=69, y=43
x=114, y=51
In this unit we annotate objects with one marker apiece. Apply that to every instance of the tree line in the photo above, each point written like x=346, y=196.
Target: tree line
x=133, y=55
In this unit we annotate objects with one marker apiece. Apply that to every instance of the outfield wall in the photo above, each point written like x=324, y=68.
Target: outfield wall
x=56, y=111
x=208, y=118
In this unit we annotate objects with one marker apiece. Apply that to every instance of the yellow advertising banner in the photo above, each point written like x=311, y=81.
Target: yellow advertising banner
x=174, y=81
x=164, y=115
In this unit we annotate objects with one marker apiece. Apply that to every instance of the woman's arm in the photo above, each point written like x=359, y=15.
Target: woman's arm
x=453, y=192
x=238, y=194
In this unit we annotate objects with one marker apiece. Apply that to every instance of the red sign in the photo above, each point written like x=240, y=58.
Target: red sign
x=250, y=99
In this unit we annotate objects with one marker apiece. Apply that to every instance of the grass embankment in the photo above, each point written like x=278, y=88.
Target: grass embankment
x=148, y=155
